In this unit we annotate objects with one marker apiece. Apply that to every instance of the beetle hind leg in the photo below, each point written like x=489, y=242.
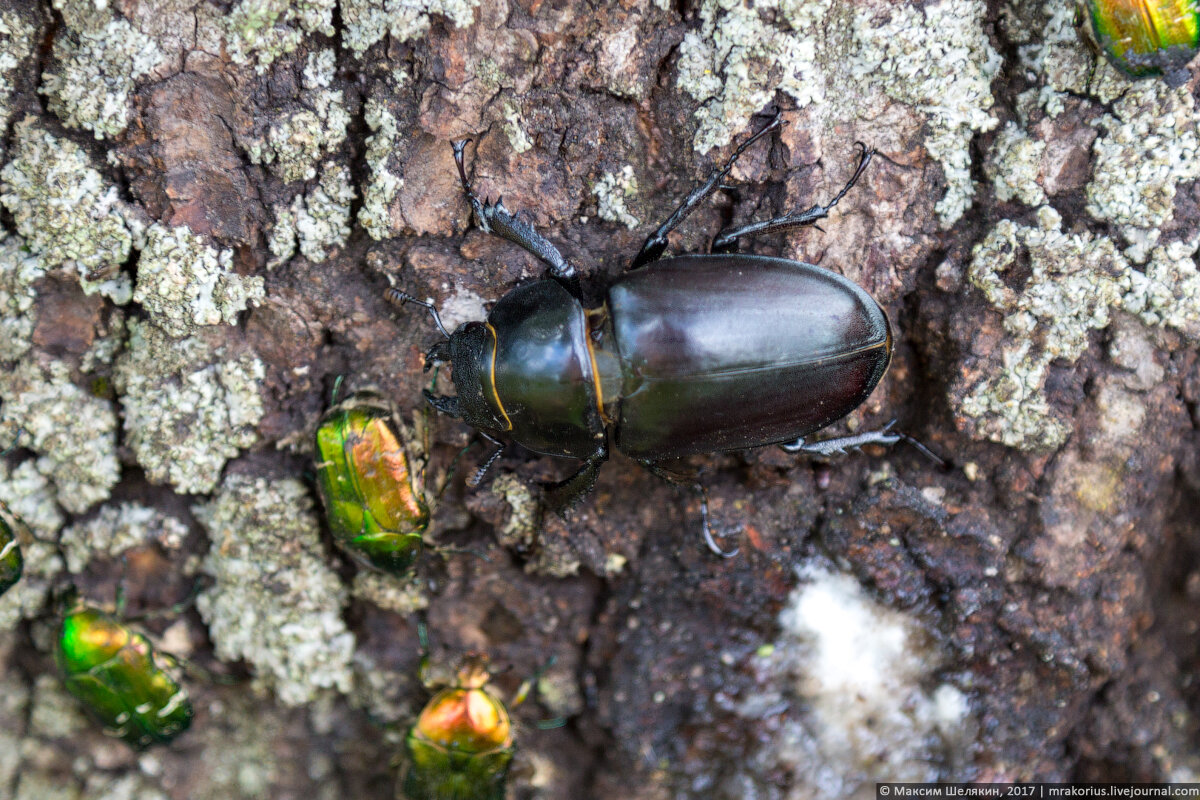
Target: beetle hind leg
x=699, y=489
x=726, y=240
x=656, y=243
x=844, y=444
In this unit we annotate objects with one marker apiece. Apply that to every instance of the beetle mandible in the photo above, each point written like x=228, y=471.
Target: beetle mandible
x=684, y=355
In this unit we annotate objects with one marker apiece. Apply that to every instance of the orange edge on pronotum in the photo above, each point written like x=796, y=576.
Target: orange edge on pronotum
x=492, y=377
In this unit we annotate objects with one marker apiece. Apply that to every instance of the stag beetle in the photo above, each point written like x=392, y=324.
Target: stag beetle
x=685, y=355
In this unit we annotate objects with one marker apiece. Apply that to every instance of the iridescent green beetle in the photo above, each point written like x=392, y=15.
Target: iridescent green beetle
x=1147, y=37
x=462, y=744
x=11, y=561
x=373, y=503
x=121, y=679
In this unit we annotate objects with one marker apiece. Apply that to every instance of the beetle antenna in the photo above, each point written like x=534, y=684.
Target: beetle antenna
x=399, y=298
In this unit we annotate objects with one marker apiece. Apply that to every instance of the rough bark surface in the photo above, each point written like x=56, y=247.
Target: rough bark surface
x=204, y=202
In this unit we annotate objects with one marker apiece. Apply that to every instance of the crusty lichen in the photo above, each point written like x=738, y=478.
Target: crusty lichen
x=741, y=55
x=1074, y=284
x=1074, y=281
x=185, y=283
x=1151, y=145
x=188, y=407
x=1051, y=45
x=65, y=211
x=611, y=192
x=14, y=716
x=18, y=271
x=934, y=57
x=275, y=602
x=400, y=596
x=316, y=222
x=514, y=127
x=74, y=433
x=860, y=697
x=98, y=56
x=1014, y=166
x=295, y=142
x=116, y=529
x=1168, y=292
x=261, y=31
x=375, y=215
x=16, y=43
x=30, y=496
x=368, y=21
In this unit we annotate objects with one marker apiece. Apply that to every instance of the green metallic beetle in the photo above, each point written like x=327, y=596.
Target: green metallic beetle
x=121, y=679
x=373, y=500
x=11, y=561
x=462, y=744
x=1144, y=38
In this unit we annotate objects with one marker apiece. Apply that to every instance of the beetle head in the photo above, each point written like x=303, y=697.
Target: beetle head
x=470, y=352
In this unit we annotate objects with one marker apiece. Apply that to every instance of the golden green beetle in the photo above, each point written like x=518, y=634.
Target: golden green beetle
x=373, y=500
x=120, y=678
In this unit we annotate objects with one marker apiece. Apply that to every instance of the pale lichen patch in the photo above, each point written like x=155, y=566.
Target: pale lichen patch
x=1151, y=145
x=186, y=283
x=275, y=602
x=98, y=56
x=261, y=31
x=1168, y=292
x=295, y=142
x=611, y=192
x=16, y=44
x=368, y=21
x=1073, y=283
x=74, y=433
x=31, y=497
x=1014, y=167
x=18, y=271
x=380, y=191
x=937, y=59
x=317, y=222
x=934, y=57
x=65, y=211
x=188, y=407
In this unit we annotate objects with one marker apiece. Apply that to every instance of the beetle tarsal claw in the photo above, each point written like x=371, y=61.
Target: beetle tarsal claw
x=713, y=546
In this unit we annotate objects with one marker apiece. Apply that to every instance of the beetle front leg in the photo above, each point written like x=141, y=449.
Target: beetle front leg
x=726, y=241
x=495, y=218
x=564, y=494
x=656, y=243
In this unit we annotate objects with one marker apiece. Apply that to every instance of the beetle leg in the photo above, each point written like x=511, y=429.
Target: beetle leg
x=842, y=444
x=450, y=406
x=495, y=218
x=564, y=494
x=478, y=477
x=699, y=489
x=726, y=241
x=656, y=243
